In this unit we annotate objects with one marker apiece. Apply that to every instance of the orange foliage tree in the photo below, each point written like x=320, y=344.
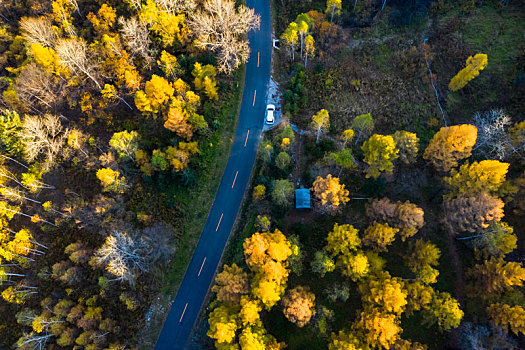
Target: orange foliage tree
x=231, y=284
x=408, y=217
x=299, y=305
x=472, y=214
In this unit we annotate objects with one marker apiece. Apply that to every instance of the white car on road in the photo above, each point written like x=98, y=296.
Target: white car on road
x=270, y=119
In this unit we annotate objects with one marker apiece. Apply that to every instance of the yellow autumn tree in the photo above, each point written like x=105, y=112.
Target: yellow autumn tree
x=497, y=275
x=424, y=256
x=408, y=145
x=179, y=156
x=168, y=25
x=444, y=311
x=379, y=236
x=343, y=239
x=330, y=192
x=223, y=324
x=380, y=151
x=47, y=58
x=266, y=254
x=451, y=144
x=487, y=175
x=333, y=7
x=205, y=79
x=346, y=136
x=104, y=20
x=169, y=64
x=259, y=192
x=262, y=247
x=354, y=266
x=249, y=313
x=474, y=66
x=320, y=121
x=419, y=296
x=62, y=11
x=267, y=291
x=178, y=121
x=380, y=329
x=290, y=38
x=156, y=94
x=384, y=292
x=111, y=180
x=345, y=341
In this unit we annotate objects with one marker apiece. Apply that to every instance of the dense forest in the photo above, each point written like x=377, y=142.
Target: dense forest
x=115, y=118
x=404, y=122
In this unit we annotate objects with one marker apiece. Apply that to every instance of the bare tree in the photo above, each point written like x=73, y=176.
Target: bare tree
x=137, y=4
x=74, y=5
x=37, y=87
x=75, y=54
x=174, y=6
x=38, y=30
x=42, y=136
x=124, y=256
x=34, y=341
x=493, y=138
x=221, y=28
x=135, y=35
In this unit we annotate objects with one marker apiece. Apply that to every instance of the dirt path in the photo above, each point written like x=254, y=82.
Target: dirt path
x=459, y=283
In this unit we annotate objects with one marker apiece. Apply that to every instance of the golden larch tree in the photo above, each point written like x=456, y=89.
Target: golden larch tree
x=384, y=292
x=497, y=275
x=379, y=236
x=329, y=191
x=451, y=144
x=474, y=66
x=485, y=176
x=509, y=317
x=380, y=329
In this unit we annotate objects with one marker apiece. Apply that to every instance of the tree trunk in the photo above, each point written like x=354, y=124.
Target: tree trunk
x=301, y=45
x=305, y=60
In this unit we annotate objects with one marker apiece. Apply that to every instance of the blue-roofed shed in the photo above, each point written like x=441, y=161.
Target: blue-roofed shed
x=302, y=198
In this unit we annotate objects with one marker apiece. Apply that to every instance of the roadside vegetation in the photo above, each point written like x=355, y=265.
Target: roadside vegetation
x=405, y=121
x=116, y=121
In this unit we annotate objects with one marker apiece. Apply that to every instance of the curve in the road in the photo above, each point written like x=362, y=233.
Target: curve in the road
x=200, y=271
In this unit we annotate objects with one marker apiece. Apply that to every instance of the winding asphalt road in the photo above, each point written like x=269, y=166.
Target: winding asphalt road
x=200, y=272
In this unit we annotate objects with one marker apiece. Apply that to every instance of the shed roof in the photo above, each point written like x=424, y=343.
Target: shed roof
x=302, y=198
